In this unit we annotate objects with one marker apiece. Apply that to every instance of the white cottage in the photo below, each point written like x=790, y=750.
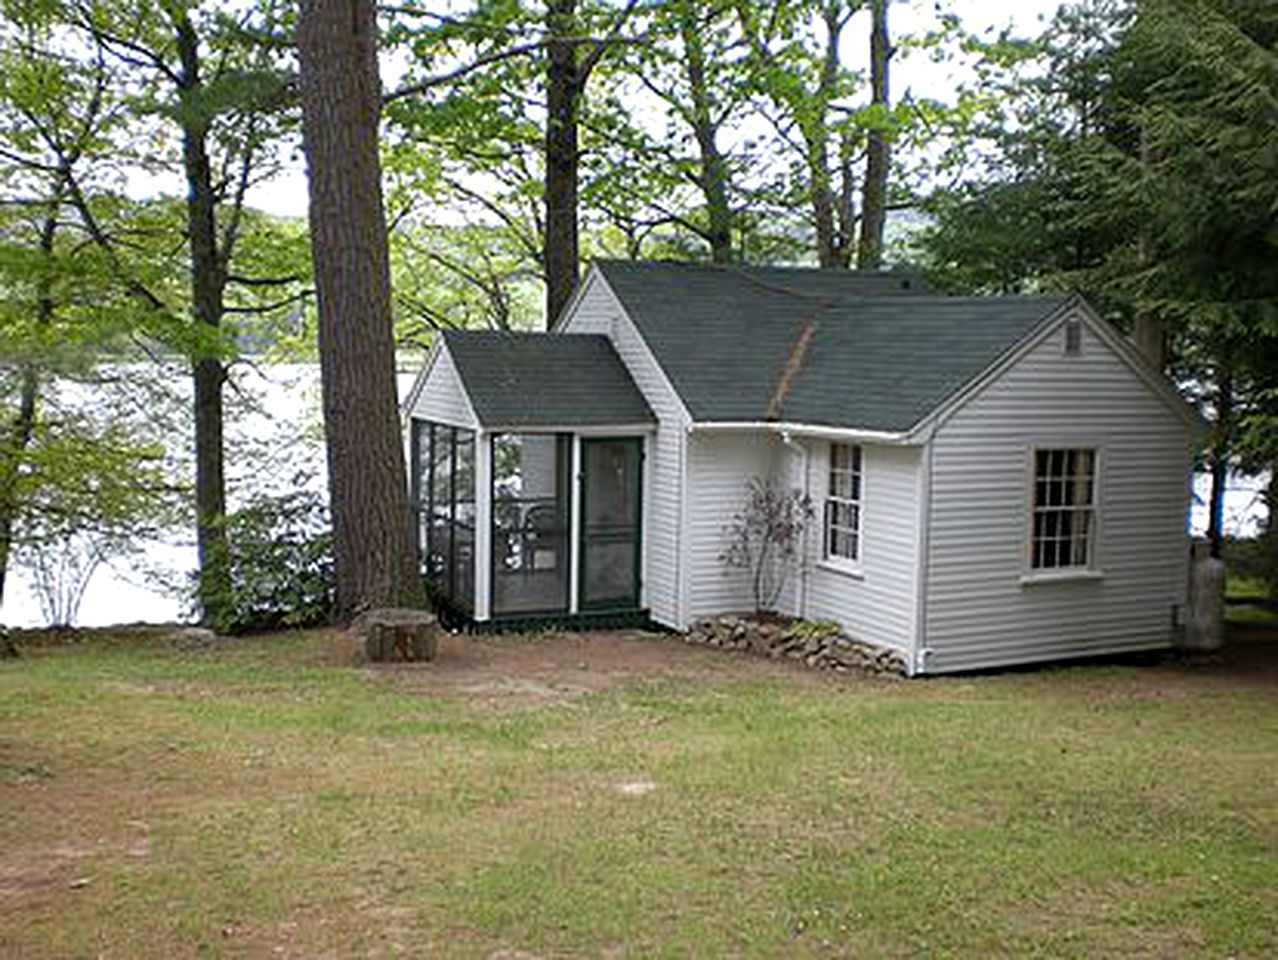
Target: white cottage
x=997, y=480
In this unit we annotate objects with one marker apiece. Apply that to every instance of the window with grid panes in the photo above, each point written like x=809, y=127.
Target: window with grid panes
x=843, y=503
x=1064, y=508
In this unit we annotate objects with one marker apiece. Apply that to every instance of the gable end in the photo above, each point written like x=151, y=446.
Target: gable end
x=1074, y=309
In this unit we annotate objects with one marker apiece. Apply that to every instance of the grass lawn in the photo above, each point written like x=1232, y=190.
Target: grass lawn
x=621, y=796
x=1250, y=587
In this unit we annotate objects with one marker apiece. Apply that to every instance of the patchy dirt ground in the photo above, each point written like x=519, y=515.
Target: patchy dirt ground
x=547, y=666
x=535, y=667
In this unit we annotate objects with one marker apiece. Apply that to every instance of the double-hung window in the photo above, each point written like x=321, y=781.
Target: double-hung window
x=843, y=504
x=1064, y=524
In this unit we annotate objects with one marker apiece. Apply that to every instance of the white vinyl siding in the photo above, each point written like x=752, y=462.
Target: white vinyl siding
x=720, y=467
x=597, y=310
x=877, y=603
x=981, y=608
x=442, y=397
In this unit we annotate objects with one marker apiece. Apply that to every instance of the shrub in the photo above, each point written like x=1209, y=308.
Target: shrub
x=1255, y=558
x=764, y=538
x=281, y=564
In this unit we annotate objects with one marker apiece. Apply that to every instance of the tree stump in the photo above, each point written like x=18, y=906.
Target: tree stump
x=393, y=634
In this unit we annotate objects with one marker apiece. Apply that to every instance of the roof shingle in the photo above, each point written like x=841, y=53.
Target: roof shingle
x=829, y=347
x=545, y=380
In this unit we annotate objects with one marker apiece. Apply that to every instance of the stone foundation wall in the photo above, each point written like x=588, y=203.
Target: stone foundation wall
x=818, y=644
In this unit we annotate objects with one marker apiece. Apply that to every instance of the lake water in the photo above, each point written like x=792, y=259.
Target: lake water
x=276, y=428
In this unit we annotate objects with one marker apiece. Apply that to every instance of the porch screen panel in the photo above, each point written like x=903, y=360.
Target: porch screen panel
x=444, y=502
x=530, y=523
x=610, y=523
x=464, y=519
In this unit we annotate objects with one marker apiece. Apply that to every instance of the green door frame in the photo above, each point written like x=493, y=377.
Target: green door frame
x=631, y=602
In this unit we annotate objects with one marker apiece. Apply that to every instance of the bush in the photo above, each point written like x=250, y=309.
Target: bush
x=764, y=538
x=1255, y=559
x=281, y=564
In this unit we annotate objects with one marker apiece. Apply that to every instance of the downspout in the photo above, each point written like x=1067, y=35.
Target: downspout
x=681, y=545
x=802, y=605
x=918, y=662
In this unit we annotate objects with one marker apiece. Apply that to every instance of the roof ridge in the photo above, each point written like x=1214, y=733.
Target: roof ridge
x=472, y=331
x=743, y=272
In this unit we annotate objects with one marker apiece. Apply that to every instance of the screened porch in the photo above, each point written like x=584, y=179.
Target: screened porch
x=505, y=534
x=528, y=485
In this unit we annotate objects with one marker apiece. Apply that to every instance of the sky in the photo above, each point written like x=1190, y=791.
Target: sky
x=286, y=195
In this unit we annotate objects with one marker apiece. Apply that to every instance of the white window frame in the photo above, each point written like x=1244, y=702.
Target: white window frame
x=854, y=501
x=1090, y=566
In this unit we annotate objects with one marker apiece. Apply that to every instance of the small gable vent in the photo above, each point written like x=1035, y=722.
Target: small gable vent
x=1073, y=337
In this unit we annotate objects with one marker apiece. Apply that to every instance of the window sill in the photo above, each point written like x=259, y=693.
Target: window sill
x=853, y=571
x=1061, y=576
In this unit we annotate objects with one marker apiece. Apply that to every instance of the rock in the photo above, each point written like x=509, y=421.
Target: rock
x=397, y=634
x=824, y=650
x=194, y=636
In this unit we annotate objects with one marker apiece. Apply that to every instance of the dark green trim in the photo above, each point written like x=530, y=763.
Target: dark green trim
x=636, y=538
x=615, y=619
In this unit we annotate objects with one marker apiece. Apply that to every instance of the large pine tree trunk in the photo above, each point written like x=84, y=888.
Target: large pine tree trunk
x=341, y=103
x=869, y=255
x=563, y=89
x=208, y=285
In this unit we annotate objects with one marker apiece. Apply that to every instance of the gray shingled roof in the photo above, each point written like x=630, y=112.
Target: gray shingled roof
x=834, y=348
x=538, y=379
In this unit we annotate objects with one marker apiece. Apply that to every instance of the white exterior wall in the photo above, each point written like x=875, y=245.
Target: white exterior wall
x=878, y=603
x=442, y=397
x=596, y=310
x=978, y=611
x=719, y=469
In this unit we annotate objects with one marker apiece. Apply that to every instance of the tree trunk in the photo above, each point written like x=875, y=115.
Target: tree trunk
x=869, y=255
x=832, y=244
x=208, y=285
x=341, y=102
x=1147, y=334
x=822, y=198
x=1147, y=330
x=19, y=438
x=1220, y=463
x=563, y=90
x=22, y=428
x=713, y=177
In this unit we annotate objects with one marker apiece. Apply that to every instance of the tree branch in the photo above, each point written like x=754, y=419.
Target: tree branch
x=275, y=305
x=425, y=86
